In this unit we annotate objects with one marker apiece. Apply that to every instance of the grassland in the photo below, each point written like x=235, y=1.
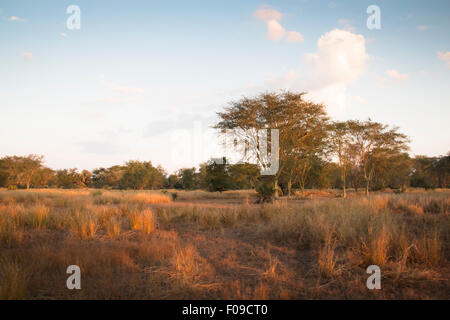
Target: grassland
x=144, y=245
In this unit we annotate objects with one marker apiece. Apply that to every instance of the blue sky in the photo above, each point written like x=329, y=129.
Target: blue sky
x=144, y=79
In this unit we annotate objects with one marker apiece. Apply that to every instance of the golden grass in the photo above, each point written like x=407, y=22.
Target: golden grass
x=327, y=258
x=376, y=248
x=288, y=249
x=13, y=280
x=143, y=221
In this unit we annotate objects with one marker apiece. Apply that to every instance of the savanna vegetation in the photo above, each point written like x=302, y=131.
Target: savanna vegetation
x=314, y=153
x=345, y=195
x=143, y=245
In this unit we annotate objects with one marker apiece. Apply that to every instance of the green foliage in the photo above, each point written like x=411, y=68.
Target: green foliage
x=107, y=177
x=431, y=172
x=69, y=179
x=369, y=154
x=19, y=170
x=138, y=175
x=302, y=130
x=266, y=190
x=244, y=175
x=187, y=179
x=217, y=176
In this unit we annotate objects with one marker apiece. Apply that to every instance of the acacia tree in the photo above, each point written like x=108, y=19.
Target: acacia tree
x=44, y=178
x=301, y=126
x=340, y=143
x=375, y=142
x=20, y=170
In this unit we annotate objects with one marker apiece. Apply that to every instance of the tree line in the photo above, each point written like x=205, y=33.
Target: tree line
x=314, y=152
x=30, y=172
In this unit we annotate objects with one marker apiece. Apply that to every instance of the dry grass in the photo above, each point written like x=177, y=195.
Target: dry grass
x=142, y=245
x=143, y=221
x=14, y=280
x=327, y=257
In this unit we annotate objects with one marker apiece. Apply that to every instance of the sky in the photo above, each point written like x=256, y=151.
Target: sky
x=144, y=80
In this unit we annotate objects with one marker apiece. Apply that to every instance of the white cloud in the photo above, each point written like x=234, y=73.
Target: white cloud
x=423, y=28
x=444, y=56
x=394, y=74
x=27, y=55
x=14, y=18
x=341, y=58
x=294, y=36
x=275, y=31
x=63, y=34
x=267, y=14
x=347, y=25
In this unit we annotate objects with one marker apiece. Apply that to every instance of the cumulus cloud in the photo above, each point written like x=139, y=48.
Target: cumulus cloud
x=340, y=59
x=267, y=14
x=27, y=55
x=444, y=56
x=394, y=74
x=275, y=31
x=17, y=19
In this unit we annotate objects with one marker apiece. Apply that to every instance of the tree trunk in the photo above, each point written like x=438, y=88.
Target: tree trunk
x=367, y=187
x=345, y=191
x=275, y=185
x=289, y=187
x=344, y=183
x=302, y=187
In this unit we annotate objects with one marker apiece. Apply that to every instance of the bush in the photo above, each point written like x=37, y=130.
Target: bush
x=174, y=196
x=266, y=191
x=12, y=187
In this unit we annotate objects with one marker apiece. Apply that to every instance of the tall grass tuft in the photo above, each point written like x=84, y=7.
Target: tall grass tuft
x=84, y=224
x=13, y=280
x=376, y=249
x=327, y=258
x=143, y=221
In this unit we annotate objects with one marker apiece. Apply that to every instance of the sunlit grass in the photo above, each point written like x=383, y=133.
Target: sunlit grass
x=183, y=247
